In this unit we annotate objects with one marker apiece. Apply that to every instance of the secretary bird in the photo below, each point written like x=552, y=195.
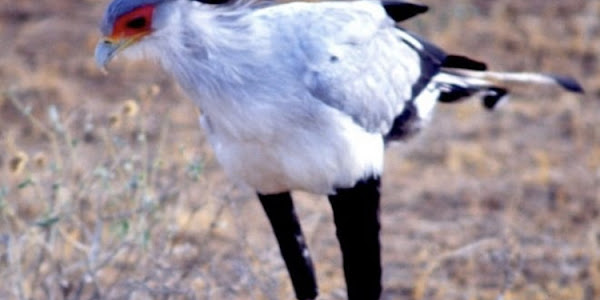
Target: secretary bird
x=305, y=96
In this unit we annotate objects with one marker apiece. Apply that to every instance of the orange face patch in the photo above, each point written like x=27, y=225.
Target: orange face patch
x=134, y=23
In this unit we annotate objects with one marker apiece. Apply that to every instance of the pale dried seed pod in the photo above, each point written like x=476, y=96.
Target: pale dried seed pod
x=18, y=162
x=130, y=108
x=40, y=160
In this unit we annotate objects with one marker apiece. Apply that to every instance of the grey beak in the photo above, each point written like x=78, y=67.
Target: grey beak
x=105, y=51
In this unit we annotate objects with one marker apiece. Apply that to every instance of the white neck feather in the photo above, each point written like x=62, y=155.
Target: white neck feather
x=207, y=50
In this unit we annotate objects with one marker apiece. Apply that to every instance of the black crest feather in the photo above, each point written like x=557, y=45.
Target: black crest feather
x=212, y=1
x=400, y=10
x=463, y=62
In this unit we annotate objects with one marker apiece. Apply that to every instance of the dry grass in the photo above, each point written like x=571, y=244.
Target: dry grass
x=108, y=190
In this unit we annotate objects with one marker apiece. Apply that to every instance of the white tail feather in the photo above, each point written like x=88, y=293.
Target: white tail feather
x=486, y=78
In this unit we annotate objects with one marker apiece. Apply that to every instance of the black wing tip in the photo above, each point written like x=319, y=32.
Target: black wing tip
x=568, y=83
x=463, y=62
x=400, y=10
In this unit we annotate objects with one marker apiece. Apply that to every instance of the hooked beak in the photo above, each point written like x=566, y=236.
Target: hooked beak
x=108, y=48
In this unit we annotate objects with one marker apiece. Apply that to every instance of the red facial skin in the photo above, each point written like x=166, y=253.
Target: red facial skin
x=123, y=25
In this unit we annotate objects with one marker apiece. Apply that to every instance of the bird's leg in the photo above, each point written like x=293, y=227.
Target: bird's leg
x=281, y=214
x=356, y=216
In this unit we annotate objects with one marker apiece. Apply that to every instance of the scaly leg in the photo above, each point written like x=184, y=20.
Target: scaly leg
x=281, y=214
x=356, y=216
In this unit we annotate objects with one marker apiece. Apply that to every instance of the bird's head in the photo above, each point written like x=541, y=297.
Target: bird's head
x=129, y=26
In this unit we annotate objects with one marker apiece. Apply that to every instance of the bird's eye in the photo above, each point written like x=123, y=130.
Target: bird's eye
x=134, y=23
x=137, y=23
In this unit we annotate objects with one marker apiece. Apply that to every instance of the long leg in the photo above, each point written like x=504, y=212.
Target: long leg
x=356, y=215
x=281, y=214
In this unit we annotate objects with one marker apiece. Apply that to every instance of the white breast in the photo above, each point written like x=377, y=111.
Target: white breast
x=332, y=152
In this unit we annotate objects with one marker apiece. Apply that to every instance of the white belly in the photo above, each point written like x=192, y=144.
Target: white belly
x=328, y=153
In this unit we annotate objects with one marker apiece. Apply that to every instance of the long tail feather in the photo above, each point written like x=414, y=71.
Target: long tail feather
x=565, y=82
x=457, y=84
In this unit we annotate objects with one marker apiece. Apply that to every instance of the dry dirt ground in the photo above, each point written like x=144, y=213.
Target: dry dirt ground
x=109, y=191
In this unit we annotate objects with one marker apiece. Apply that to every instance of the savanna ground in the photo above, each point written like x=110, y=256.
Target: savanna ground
x=109, y=191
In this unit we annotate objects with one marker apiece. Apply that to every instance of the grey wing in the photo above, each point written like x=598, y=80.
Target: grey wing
x=360, y=63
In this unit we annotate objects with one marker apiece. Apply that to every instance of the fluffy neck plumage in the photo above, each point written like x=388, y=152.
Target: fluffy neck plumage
x=209, y=54
x=221, y=61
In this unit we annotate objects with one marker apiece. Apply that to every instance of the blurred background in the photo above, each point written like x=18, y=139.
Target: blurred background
x=108, y=189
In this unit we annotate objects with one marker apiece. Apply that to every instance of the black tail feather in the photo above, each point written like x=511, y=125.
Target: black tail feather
x=490, y=96
x=453, y=93
x=569, y=83
x=493, y=96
